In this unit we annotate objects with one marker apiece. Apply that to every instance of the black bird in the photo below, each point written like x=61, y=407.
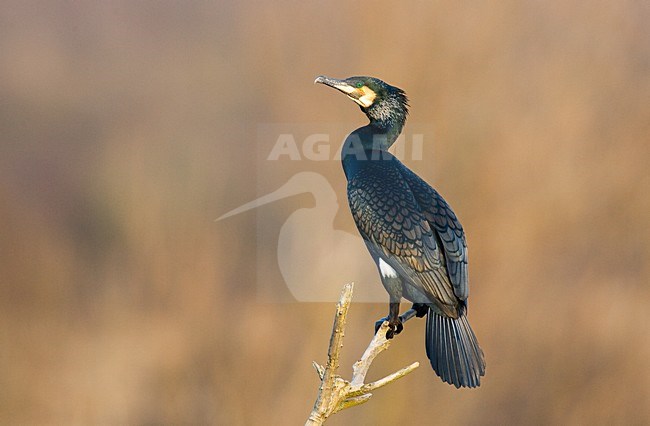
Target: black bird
x=411, y=232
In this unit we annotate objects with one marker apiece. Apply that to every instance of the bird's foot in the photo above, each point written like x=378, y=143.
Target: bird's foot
x=395, y=326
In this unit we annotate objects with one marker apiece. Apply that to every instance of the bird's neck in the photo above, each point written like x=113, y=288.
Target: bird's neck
x=387, y=117
x=376, y=135
x=384, y=133
x=367, y=144
x=371, y=142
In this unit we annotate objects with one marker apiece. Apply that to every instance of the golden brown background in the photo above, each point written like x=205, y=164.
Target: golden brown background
x=127, y=127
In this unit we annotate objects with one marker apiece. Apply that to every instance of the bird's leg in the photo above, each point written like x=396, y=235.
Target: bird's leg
x=418, y=310
x=394, y=321
x=408, y=315
x=394, y=287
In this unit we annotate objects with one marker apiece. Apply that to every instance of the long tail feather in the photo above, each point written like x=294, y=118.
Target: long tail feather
x=453, y=350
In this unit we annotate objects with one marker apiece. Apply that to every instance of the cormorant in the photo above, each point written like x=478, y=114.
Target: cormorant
x=412, y=234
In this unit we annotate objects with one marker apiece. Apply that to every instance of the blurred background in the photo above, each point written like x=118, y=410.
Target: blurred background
x=126, y=128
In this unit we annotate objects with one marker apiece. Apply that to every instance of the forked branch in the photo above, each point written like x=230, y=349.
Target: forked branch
x=335, y=393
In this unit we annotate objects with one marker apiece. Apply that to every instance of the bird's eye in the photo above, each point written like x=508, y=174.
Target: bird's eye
x=359, y=85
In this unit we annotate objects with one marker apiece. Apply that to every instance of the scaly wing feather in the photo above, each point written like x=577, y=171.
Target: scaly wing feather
x=391, y=221
x=445, y=223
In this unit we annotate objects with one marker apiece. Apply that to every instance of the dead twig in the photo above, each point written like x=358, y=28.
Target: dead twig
x=335, y=393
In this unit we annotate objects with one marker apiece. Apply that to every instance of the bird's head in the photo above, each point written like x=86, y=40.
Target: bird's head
x=385, y=105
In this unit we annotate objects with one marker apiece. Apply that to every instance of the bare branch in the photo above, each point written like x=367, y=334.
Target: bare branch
x=335, y=393
x=320, y=370
x=388, y=379
x=336, y=341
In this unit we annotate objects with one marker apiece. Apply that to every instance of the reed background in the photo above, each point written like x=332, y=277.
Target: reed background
x=126, y=128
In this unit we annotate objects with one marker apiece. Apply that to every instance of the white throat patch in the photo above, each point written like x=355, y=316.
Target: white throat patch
x=364, y=96
x=386, y=270
x=367, y=98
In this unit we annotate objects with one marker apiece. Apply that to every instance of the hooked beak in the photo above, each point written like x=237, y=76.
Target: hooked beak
x=340, y=85
x=363, y=96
